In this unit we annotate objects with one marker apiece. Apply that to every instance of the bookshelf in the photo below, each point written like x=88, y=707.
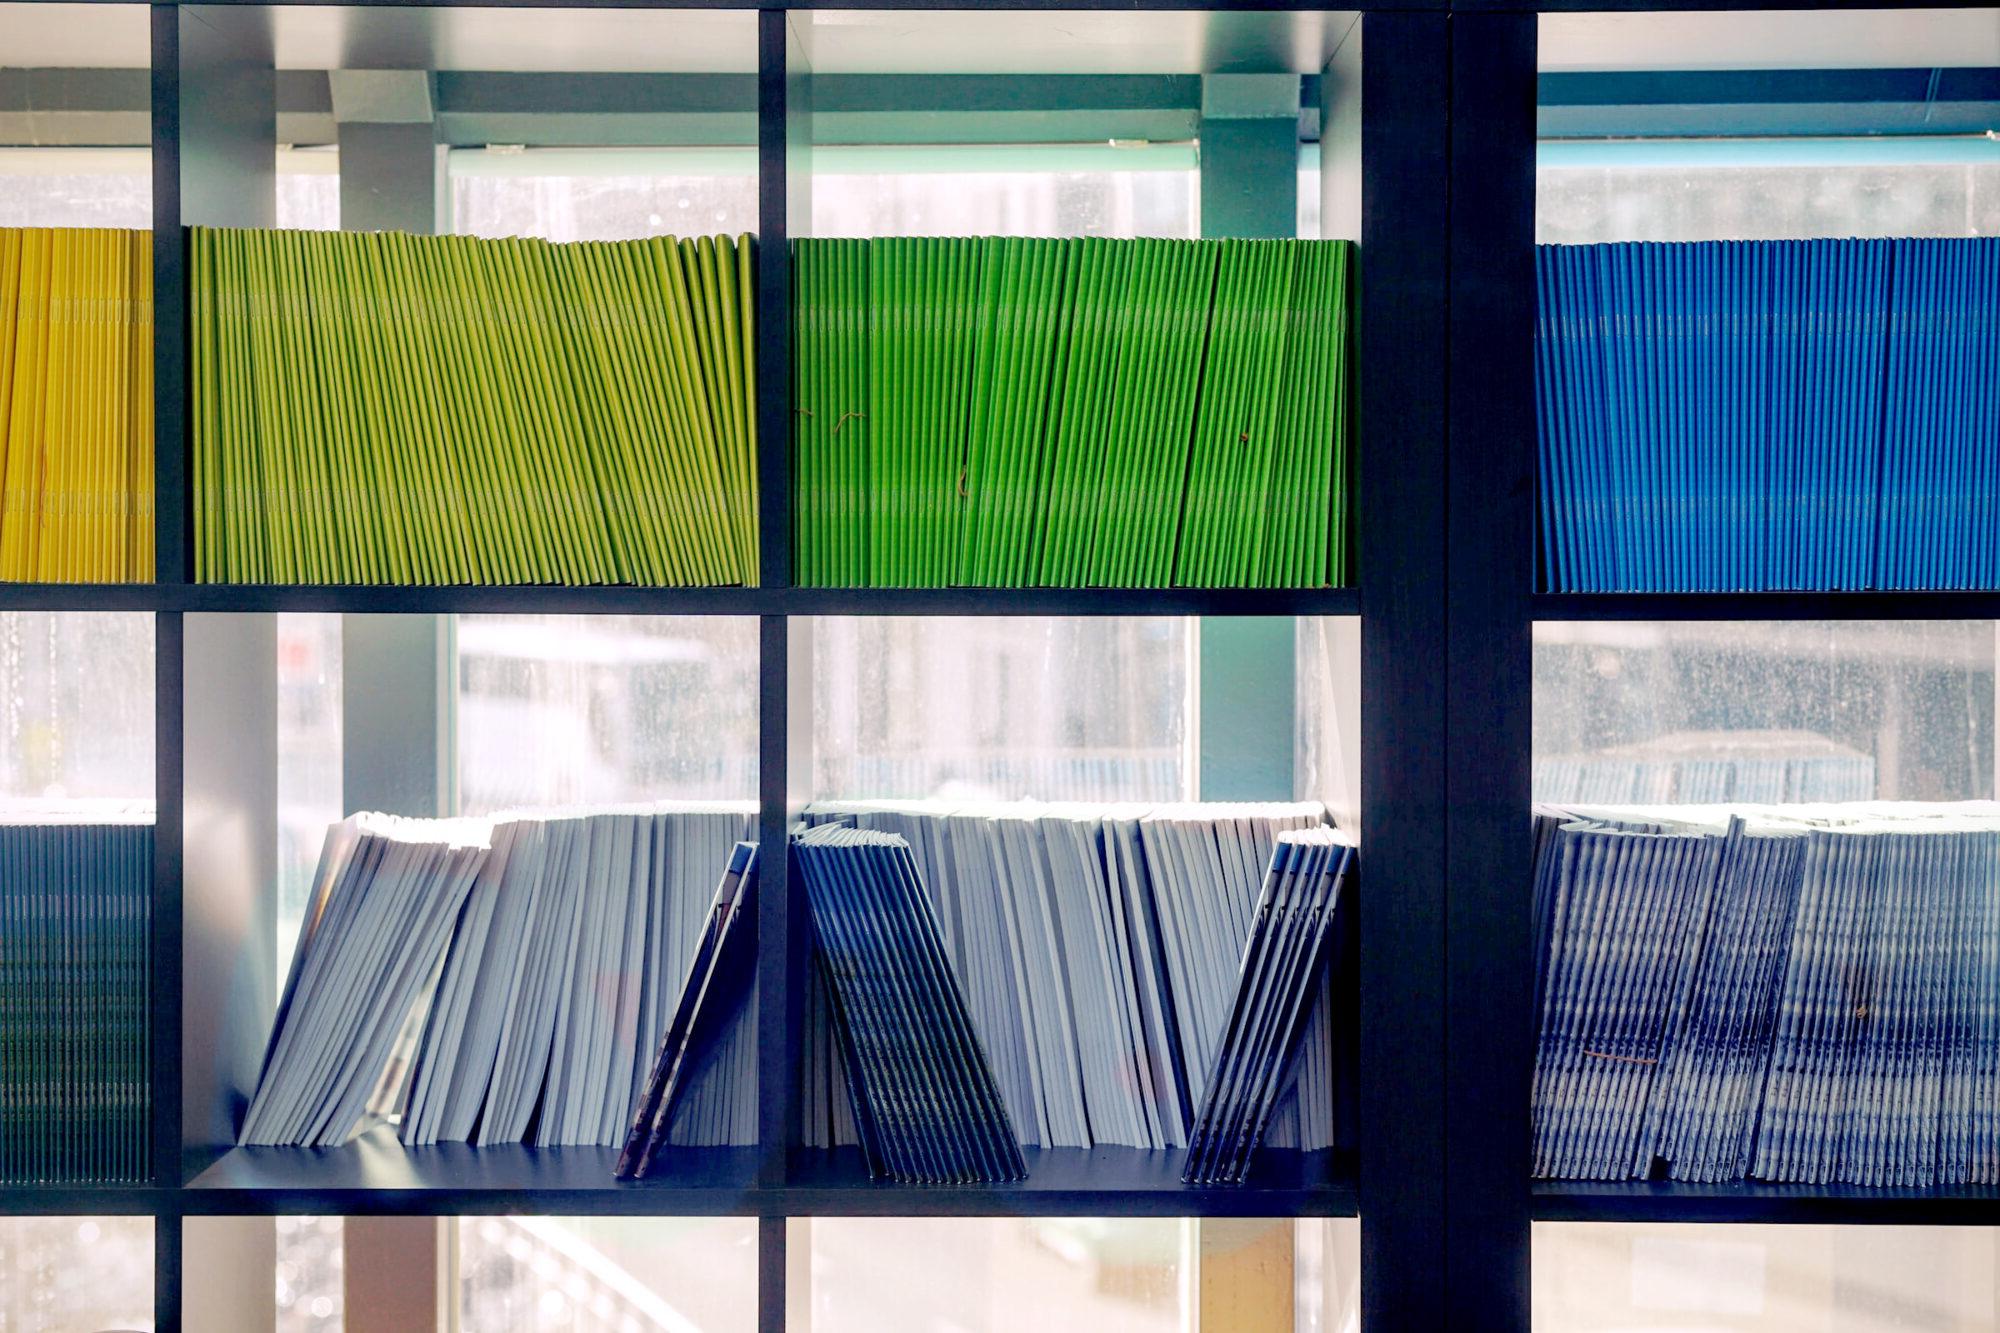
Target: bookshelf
x=1439, y=190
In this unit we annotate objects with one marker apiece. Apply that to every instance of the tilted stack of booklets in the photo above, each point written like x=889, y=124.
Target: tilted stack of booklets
x=1283, y=964
x=555, y=941
x=383, y=408
x=76, y=405
x=926, y=1107
x=76, y=888
x=1805, y=994
x=1750, y=415
x=1098, y=948
x=718, y=981
x=1018, y=412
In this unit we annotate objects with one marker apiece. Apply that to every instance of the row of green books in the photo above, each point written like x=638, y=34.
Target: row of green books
x=386, y=408
x=1010, y=412
x=76, y=882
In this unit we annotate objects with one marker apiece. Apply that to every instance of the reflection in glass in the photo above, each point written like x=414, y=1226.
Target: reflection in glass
x=566, y=710
x=608, y=1274
x=76, y=704
x=1005, y=708
x=1764, y=712
x=1615, y=1278
x=80, y=1274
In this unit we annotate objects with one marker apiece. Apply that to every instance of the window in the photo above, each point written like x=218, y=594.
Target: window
x=1036, y=190
x=62, y=1273
x=76, y=705
x=1764, y=712
x=1089, y=708
x=1615, y=1278
x=563, y=710
x=603, y=194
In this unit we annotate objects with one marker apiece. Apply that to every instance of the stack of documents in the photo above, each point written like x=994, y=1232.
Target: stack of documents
x=76, y=405
x=1751, y=415
x=76, y=887
x=537, y=957
x=1801, y=994
x=924, y=1100
x=1010, y=412
x=1282, y=967
x=1098, y=949
x=384, y=408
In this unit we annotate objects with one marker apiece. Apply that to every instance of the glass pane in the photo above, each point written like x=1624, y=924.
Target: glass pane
x=1606, y=1278
x=1078, y=1275
x=607, y=194
x=1014, y=191
x=566, y=710
x=76, y=1274
x=309, y=762
x=76, y=187
x=76, y=705
x=310, y=1293
x=608, y=1274
x=309, y=188
x=1054, y=1275
x=1698, y=190
x=1328, y=1275
x=1049, y=708
x=1764, y=712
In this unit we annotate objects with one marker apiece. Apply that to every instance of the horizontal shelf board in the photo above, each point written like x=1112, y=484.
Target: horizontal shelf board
x=1078, y=1182
x=376, y=1173
x=81, y=596
x=1756, y=1201
x=83, y=1200
x=552, y=600
x=543, y=599
x=1071, y=601
x=1767, y=606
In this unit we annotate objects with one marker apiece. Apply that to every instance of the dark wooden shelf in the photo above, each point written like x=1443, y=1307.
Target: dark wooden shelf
x=84, y=1200
x=1757, y=1201
x=1080, y=1182
x=1767, y=606
x=377, y=1174
x=555, y=600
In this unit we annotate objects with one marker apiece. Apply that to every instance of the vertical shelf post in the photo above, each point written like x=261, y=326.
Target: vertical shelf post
x=1490, y=561
x=784, y=207
x=171, y=521
x=1401, y=538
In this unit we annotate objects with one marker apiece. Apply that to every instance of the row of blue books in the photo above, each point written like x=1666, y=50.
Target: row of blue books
x=1761, y=415
x=925, y=1103
x=76, y=888
x=1804, y=994
x=1284, y=961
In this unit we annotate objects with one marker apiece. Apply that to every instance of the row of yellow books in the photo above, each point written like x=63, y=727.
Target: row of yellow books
x=76, y=405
